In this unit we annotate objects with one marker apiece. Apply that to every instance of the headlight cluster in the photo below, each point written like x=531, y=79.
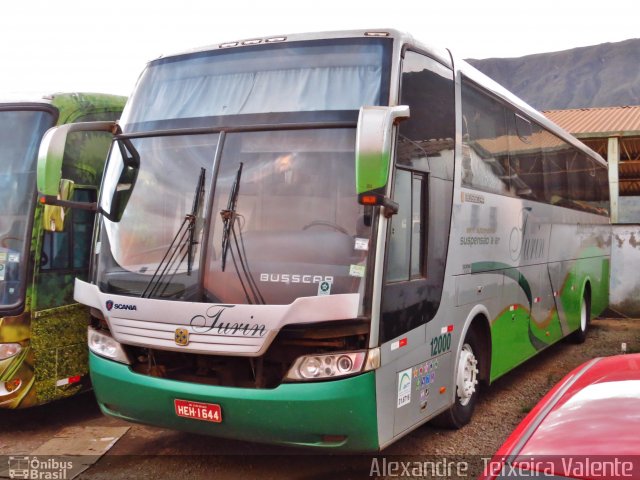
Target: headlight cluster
x=315, y=367
x=103, y=344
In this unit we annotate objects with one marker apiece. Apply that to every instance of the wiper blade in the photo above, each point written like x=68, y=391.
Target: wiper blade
x=184, y=239
x=229, y=216
x=195, y=210
x=230, y=237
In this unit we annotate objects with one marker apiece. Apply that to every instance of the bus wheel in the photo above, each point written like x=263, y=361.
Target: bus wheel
x=580, y=335
x=459, y=414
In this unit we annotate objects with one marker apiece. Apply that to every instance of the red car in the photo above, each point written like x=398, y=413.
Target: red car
x=586, y=427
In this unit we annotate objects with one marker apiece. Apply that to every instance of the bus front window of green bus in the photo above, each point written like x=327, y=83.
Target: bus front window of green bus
x=20, y=135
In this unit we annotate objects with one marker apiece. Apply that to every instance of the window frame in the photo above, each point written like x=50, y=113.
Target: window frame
x=422, y=177
x=69, y=222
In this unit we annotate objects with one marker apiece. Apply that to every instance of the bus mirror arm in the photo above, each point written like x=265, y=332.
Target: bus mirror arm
x=54, y=200
x=389, y=207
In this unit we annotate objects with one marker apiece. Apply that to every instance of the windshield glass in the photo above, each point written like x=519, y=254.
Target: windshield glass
x=284, y=219
x=307, y=76
x=149, y=237
x=20, y=135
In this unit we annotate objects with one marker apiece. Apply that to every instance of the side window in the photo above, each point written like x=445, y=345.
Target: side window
x=601, y=200
x=426, y=140
x=82, y=231
x=525, y=158
x=556, y=154
x=55, y=251
x=588, y=185
x=417, y=234
x=69, y=249
x=405, y=255
x=485, y=159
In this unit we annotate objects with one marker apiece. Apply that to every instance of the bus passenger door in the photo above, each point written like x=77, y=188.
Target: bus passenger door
x=403, y=294
x=417, y=243
x=417, y=367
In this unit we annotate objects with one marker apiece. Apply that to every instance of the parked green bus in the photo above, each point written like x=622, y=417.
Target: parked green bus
x=43, y=248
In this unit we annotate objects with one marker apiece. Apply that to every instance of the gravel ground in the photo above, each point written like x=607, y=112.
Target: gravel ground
x=506, y=402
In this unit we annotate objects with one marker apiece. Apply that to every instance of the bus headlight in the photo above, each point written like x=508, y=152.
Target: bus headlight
x=316, y=367
x=8, y=350
x=103, y=344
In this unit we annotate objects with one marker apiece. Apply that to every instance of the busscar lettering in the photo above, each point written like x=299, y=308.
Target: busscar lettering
x=211, y=321
x=293, y=278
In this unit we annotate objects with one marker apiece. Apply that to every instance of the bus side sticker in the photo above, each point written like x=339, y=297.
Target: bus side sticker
x=399, y=344
x=324, y=288
x=404, y=387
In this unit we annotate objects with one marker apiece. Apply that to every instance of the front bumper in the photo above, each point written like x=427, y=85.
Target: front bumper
x=291, y=414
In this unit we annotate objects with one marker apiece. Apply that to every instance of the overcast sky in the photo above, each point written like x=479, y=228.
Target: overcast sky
x=86, y=45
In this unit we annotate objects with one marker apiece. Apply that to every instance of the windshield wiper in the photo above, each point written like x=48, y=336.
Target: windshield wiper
x=229, y=215
x=185, y=238
x=197, y=200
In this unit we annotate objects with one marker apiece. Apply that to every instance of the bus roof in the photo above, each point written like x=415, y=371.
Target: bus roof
x=49, y=98
x=441, y=54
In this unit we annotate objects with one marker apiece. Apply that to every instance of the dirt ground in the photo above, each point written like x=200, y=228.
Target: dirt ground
x=152, y=453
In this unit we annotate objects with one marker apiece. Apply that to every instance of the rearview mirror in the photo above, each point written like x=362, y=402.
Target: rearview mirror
x=51, y=186
x=374, y=141
x=119, y=179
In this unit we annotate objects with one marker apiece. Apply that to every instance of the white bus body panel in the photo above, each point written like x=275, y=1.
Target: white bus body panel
x=242, y=330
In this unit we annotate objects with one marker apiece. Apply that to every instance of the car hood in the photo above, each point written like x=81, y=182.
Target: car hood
x=598, y=415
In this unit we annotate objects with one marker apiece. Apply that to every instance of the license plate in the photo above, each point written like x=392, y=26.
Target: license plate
x=209, y=412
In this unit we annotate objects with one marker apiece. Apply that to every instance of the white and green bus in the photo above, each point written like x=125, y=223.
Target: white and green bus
x=330, y=239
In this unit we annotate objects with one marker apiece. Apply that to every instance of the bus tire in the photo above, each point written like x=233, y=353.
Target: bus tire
x=466, y=384
x=580, y=335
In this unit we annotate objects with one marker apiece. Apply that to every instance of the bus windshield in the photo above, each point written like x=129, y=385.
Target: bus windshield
x=20, y=135
x=283, y=223
x=307, y=76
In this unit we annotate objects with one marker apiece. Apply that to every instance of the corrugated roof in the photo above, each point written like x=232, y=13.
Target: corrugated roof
x=598, y=122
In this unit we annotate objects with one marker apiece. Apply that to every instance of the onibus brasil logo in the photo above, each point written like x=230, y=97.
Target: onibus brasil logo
x=39, y=468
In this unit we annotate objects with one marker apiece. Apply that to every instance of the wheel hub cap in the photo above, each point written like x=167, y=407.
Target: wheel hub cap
x=467, y=375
